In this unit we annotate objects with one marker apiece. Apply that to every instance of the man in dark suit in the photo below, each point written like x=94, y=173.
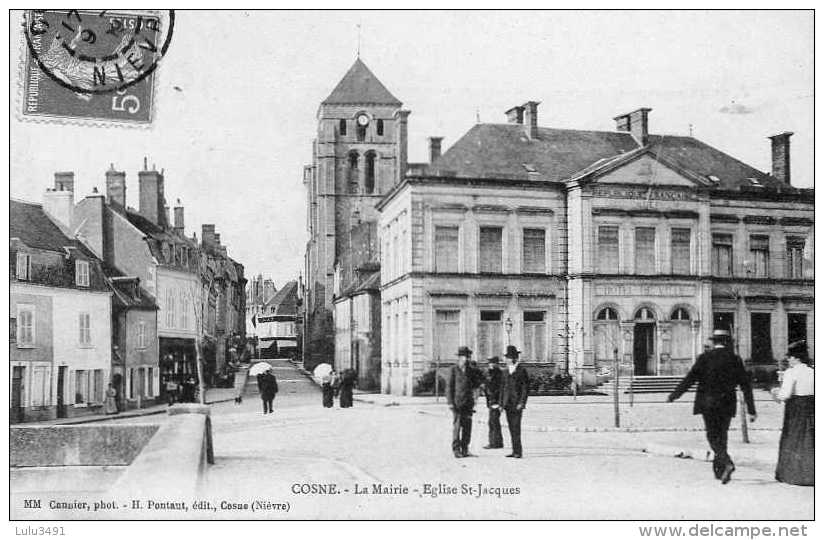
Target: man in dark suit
x=460, y=396
x=718, y=372
x=492, y=390
x=514, y=393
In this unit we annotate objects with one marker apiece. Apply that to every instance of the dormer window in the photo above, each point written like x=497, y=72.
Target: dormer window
x=81, y=273
x=714, y=179
x=754, y=182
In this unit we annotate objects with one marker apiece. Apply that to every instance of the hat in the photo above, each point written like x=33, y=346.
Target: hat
x=512, y=352
x=798, y=349
x=464, y=351
x=494, y=360
x=720, y=335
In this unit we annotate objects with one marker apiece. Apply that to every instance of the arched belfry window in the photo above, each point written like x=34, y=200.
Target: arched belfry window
x=369, y=173
x=342, y=127
x=380, y=128
x=644, y=314
x=352, y=172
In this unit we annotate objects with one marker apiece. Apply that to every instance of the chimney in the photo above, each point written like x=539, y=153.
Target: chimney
x=179, y=225
x=401, y=136
x=515, y=115
x=207, y=234
x=636, y=123
x=116, y=187
x=530, y=109
x=64, y=181
x=59, y=202
x=434, y=148
x=781, y=156
x=152, y=201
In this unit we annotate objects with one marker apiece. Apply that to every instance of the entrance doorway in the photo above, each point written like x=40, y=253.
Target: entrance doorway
x=760, y=339
x=644, y=349
x=16, y=412
x=61, y=390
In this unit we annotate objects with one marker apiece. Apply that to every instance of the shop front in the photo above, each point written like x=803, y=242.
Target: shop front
x=177, y=364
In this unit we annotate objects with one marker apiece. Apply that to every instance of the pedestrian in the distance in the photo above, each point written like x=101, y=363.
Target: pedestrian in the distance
x=718, y=373
x=461, y=383
x=492, y=391
x=796, y=454
x=345, y=386
x=326, y=389
x=514, y=393
x=111, y=400
x=268, y=387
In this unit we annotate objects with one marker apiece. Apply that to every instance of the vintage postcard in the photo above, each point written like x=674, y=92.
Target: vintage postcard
x=413, y=265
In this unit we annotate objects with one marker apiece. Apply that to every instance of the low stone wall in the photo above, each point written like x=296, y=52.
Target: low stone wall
x=54, y=446
x=173, y=463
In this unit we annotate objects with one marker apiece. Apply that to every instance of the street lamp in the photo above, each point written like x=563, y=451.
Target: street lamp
x=508, y=325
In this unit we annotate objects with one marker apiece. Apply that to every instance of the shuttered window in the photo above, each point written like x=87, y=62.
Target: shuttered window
x=534, y=255
x=85, y=329
x=534, y=336
x=608, y=249
x=795, y=257
x=722, y=254
x=680, y=251
x=644, y=250
x=760, y=254
x=490, y=334
x=490, y=250
x=446, y=249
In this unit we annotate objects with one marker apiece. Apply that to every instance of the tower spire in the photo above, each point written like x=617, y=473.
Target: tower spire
x=359, y=38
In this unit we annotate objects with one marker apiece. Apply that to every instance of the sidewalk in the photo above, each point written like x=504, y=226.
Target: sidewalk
x=213, y=395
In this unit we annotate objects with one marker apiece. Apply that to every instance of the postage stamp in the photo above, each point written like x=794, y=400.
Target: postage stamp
x=85, y=65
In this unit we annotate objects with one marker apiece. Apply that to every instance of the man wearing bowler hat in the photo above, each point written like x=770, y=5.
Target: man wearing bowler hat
x=492, y=390
x=514, y=393
x=718, y=372
x=460, y=396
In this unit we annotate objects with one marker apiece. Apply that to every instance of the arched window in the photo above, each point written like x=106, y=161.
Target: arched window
x=352, y=172
x=644, y=314
x=607, y=314
x=380, y=128
x=369, y=176
x=680, y=314
x=342, y=127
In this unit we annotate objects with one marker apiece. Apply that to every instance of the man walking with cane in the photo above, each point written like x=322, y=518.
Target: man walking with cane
x=492, y=390
x=718, y=372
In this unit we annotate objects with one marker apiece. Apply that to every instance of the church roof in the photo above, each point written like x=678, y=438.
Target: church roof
x=360, y=86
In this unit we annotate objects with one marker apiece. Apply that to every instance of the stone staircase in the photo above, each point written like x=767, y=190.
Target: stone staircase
x=642, y=384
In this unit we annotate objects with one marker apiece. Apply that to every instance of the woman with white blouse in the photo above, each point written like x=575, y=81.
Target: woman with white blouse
x=796, y=454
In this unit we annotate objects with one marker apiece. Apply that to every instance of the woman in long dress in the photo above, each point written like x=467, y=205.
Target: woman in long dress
x=110, y=406
x=347, y=381
x=327, y=390
x=796, y=454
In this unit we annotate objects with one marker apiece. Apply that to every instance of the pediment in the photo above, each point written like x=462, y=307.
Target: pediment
x=646, y=170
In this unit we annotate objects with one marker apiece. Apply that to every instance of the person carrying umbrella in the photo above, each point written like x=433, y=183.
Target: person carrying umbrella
x=345, y=385
x=268, y=386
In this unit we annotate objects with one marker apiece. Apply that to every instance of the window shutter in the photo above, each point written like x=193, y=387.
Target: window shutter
x=644, y=250
x=446, y=249
x=608, y=249
x=534, y=254
x=680, y=251
x=490, y=260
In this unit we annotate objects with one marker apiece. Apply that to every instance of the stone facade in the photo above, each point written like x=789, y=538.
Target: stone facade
x=576, y=246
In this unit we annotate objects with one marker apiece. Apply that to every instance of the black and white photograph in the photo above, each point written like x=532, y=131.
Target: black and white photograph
x=412, y=265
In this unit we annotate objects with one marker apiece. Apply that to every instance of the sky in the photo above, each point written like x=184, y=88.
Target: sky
x=235, y=133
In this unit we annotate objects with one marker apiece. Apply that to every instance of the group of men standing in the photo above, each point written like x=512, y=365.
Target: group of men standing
x=505, y=390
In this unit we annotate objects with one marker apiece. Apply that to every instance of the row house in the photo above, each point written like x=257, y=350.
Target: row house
x=223, y=302
x=276, y=323
x=577, y=246
x=59, y=315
